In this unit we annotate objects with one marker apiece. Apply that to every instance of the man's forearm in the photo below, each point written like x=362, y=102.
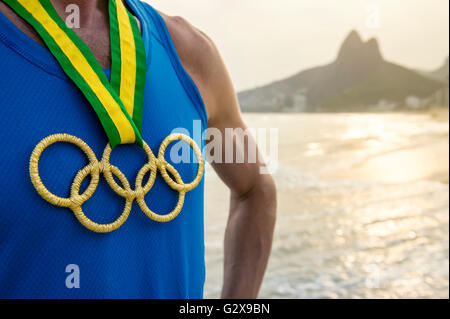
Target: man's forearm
x=248, y=240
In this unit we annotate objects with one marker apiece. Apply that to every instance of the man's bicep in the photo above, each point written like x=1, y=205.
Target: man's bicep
x=238, y=162
x=233, y=149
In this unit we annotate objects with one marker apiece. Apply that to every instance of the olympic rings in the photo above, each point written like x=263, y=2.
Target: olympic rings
x=95, y=168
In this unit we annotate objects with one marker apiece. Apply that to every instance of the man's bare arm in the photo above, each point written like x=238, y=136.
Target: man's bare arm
x=251, y=222
x=249, y=233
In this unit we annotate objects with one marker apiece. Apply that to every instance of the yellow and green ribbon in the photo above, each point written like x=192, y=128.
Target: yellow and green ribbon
x=118, y=103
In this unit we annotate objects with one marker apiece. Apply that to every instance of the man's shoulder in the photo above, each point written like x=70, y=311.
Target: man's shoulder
x=188, y=39
x=197, y=51
x=199, y=56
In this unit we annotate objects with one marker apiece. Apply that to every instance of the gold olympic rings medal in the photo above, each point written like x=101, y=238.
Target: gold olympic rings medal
x=95, y=168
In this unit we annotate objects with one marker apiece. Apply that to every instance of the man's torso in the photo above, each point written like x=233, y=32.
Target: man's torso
x=37, y=240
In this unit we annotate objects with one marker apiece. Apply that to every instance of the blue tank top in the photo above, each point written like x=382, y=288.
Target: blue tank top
x=38, y=241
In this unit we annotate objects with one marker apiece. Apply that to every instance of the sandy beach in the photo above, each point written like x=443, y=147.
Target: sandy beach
x=363, y=207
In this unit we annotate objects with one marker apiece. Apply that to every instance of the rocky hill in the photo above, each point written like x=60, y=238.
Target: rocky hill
x=358, y=80
x=440, y=74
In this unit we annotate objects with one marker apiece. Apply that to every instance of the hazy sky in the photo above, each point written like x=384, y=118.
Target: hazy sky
x=265, y=40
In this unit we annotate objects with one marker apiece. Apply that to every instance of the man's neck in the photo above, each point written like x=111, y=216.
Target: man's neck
x=93, y=28
x=88, y=9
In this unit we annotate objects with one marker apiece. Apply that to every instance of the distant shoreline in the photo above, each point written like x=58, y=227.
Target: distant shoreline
x=438, y=113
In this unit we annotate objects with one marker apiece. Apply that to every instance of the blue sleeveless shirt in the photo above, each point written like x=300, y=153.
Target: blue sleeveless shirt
x=42, y=246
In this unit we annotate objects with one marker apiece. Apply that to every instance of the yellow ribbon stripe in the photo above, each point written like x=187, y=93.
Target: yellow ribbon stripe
x=82, y=66
x=128, y=56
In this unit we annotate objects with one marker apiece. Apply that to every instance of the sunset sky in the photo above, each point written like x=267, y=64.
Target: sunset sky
x=265, y=40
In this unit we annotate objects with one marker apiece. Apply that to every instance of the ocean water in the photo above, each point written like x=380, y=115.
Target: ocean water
x=363, y=208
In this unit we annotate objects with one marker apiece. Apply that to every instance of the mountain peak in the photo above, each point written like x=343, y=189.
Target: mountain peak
x=372, y=44
x=354, y=48
x=354, y=36
x=351, y=43
x=358, y=80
